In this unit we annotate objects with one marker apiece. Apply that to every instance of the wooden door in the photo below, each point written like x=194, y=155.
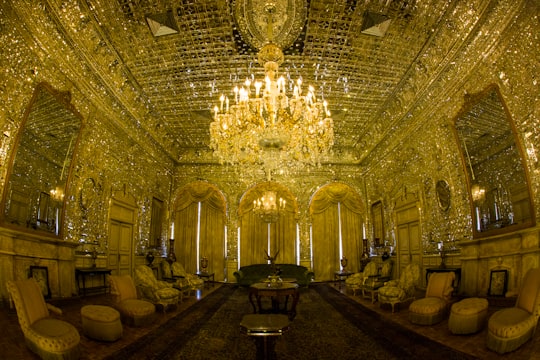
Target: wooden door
x=409, y=248
x=120, y=252
x=121, y=242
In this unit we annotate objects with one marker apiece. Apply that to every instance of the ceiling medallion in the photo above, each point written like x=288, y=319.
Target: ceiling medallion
x=288, y=21
x=273, y=119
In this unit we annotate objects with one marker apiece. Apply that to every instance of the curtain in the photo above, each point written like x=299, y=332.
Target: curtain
x=254, y=239
x=325, y=229
x=211, y=230
x=255, y=233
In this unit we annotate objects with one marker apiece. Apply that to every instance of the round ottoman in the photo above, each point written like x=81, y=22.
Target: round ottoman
x=427, y=311
x=101, y=322
x=468, y=316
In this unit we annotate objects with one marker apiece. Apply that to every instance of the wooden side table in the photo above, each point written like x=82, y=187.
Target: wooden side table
x=83, y=273
x=206, y=276
x=340, y=277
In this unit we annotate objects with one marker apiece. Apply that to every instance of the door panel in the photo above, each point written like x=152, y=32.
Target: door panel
x=408, y=235
x=121, y=252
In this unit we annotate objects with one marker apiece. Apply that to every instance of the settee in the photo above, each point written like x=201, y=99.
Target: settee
x=251, y=274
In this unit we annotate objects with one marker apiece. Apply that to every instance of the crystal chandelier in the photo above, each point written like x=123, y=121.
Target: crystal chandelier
x=274, y=120
x=268, y=207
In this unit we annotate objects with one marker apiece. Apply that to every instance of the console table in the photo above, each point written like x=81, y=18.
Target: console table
x=259, y=290
x=206, y=276
x=81, y=274
x=340, y=277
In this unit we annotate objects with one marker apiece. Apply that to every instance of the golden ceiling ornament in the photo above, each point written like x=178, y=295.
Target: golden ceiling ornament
x=289, y=17
x=276, y=122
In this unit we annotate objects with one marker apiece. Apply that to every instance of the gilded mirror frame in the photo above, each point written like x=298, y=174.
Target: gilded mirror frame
x=33, y=200
x=479, y=196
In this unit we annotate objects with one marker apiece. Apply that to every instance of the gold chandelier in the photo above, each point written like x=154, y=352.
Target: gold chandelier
x=268, y=207
x=272, y=121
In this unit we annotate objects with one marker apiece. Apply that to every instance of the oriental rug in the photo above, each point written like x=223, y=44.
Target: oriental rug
x=328, y=325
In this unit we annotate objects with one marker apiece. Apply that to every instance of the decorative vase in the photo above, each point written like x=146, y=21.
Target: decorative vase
x=150, y=258
x=204, y=264
x=274, y=281
x=344, y=263
x=172, y=257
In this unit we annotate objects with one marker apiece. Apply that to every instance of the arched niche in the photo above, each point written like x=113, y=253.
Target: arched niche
x=258, y=235
x=41, y=163
x=498, y=181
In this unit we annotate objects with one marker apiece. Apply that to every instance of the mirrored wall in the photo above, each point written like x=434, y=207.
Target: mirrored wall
x=498, y=182
x=33, y=199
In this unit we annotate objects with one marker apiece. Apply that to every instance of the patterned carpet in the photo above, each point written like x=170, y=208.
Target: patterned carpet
x=210, y=330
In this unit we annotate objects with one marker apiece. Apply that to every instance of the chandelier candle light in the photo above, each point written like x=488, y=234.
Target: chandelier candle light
x=271, y=115
x=267, y=206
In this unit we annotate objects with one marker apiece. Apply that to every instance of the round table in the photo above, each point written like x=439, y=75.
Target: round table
x=276, y=294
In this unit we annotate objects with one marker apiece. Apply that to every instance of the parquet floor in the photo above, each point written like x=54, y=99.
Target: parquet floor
x=12, y=344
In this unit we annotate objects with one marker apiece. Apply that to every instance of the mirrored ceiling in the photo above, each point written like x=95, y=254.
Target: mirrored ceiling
x=178, y=57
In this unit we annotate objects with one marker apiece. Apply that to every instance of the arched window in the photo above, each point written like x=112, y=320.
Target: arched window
x=258, y=236
x=199, y=216
x=337, y=217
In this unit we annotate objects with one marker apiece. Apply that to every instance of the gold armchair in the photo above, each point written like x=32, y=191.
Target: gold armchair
x=48, y=337
x=133, y=311
x=373, y=282
x=397, y=291
x=510, y=328
x=433, y=307
x=193, y=281
x=156, y=291
x=357, y=280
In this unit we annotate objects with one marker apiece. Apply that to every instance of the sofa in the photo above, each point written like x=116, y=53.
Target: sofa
x=250, y=274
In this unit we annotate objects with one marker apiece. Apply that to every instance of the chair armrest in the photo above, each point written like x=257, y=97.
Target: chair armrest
x=54, y=309
x=310, y=275
x=147, y=292
x=392, y=283
x=164, y=284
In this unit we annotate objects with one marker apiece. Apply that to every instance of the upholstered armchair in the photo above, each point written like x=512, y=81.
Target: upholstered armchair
x=156, y=291
x=510, y=328
x=356, y=281
x=48, y=337
x=398, y=291
x=193, y=281
x=133, y=311
x=374, y=282
x=166, y=272
x=433, y=307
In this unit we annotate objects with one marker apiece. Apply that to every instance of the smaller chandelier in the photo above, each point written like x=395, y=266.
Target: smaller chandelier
x=268, y=207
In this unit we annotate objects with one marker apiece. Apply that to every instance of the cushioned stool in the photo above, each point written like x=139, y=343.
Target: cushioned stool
x=427, y=311
x=101, y=322
x=468, y=316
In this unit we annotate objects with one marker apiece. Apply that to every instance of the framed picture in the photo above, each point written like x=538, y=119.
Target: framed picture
x=41, y=275
x=498, y=281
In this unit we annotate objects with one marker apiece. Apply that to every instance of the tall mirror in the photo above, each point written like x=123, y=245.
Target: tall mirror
x=34, y=196
x=498, y=180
